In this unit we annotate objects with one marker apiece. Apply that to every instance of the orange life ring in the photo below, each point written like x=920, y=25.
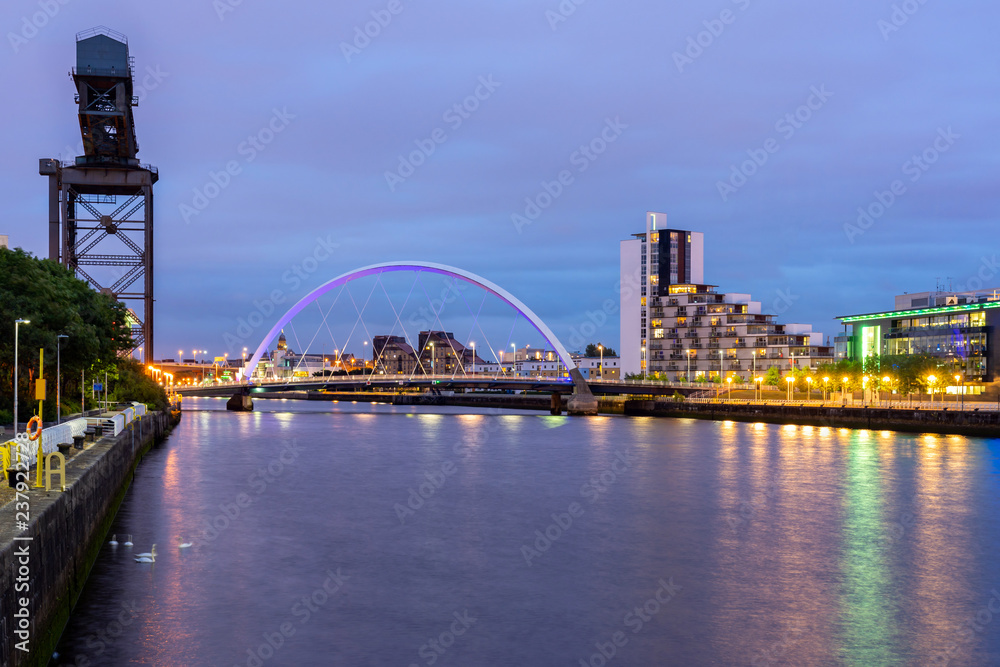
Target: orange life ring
x=37, y=433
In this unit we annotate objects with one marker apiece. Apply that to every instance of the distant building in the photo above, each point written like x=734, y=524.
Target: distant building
x=674, y=324
x=437, y=353
x=4, y=243
x=650, y=262
x=957, y=327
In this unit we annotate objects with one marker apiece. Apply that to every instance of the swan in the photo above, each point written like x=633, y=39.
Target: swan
x=128, y=542
x=185, y=545
x=114, y=540
x=150, y=555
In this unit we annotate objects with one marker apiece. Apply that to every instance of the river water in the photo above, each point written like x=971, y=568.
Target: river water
x=357, y=534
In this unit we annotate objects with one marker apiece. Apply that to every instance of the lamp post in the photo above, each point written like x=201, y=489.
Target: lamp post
x=432, y=358
x=930, y=382
x=961, y=388
x=688, y=352
x=864, y=391
x=600, y=371
x=809, y=388
x=790, y=380
x=17, y=324
x=887, y=382
x=826, y=387
x=58, y=377
x=756, y=390
x=513, y=359
x=730, y=381
x=473, y=346
x=843, y=389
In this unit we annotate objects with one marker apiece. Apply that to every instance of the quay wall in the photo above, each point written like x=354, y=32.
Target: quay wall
x=953, y=422
x=67, y=530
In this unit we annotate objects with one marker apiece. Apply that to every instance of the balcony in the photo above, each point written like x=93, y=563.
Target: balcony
x=691, y=334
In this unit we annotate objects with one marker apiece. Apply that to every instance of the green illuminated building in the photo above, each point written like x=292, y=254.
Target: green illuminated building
x=957, y=327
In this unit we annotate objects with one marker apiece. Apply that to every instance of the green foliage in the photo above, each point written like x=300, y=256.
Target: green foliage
x=907, y=373
x=55, y=302
x=592, y=351
x=772, y=377
x=133, y=384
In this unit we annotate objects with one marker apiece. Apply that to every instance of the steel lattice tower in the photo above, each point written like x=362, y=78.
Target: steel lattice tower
x=101, y=205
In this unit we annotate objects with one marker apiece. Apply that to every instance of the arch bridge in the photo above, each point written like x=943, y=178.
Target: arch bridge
x=582, y=400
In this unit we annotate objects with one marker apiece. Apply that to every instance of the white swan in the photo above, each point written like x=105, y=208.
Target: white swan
x=147, y=557
x=185, y=545
x=128, y=542
x=114, y=540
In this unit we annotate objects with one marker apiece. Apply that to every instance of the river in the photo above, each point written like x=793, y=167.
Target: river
x=358, y=534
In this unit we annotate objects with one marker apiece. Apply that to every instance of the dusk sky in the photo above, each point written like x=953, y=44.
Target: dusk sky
x=685, y=92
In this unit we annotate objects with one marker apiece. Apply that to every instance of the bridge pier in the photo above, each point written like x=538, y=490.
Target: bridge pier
x=582, y=401
x=556, y=406
x=240, y=402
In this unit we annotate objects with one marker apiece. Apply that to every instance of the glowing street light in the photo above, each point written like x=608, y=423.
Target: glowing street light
x=930, y=381
x=826, y=386
x=730, y=381
x=600, y=371
x=790, y=380
x=757, y=388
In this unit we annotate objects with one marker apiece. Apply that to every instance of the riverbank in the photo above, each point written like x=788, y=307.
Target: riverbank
x=50, y=541
x=947, y=422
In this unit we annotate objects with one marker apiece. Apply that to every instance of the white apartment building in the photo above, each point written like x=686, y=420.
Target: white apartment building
x=674, y=324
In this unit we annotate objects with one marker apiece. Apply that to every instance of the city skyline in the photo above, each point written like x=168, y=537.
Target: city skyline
x=332, y=149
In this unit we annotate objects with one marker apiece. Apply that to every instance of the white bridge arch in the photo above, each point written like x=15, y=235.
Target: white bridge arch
x=441, y=269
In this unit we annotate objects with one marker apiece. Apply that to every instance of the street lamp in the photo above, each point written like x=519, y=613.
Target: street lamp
x=58, y=377
x=757, y=380
x=432, y=358
x=17, y=324
x=961, y=388
x=600, y=371
x=513, y=360
x=887, y=381
x=843, y=389
x=789, y=380
x=864, y=391
x=688, y=352
x=930, y=381
x=809, y=388
x=826, y=386
x=730, y=381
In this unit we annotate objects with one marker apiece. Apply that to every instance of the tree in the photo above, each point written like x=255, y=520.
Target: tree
x=772, y=377
x=592, y=351
x=56, y=302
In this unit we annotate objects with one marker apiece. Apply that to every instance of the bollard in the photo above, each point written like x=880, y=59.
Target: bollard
x=64, y=448
x=78, y=441
x=89, y=432
x=98, y=431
